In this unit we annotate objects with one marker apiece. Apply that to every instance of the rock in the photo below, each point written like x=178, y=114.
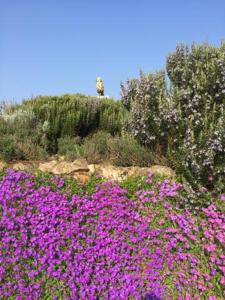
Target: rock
x=3, y=165
x=47, y=166
x=19, y=167
x=91, y=169
x=137, y=171
x=80, y=169
x=63, y=167
x=109, y=171
x=114, y=173
x=61, y=158
x=162, y=171
x=24, y=166
x=53, y=157
x=78, y=165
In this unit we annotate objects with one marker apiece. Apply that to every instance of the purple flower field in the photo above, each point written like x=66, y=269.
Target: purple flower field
x=107, y=245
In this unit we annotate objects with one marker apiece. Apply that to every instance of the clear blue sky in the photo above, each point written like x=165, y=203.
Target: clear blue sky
x=52, y=47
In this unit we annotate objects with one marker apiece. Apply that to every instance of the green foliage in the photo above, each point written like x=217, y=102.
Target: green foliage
x=76, y=115
x=185, y=124
x=43, y=121
x=96, y=147
x=2, y=173
x=101, y=146
x=194, y=196
x=26, y=133
x=70, y=147
x=26, y=149
x=70, y=187
x=14, y=148
x=133, y=184
x=198, y=96
x=91, y=185
x=6, y=148
x=126, y=151
x=145, y=97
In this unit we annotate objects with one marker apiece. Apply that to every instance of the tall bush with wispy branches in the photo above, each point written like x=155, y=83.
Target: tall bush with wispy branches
x=197, y=77
x=187, y=121
x=145, y=98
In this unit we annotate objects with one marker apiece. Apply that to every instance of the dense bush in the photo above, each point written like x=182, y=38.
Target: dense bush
x=6, y=148
x=145, y=98
x=45, y=120
x=96, y=147
x=70, y=147
x=14, y=148
x=76, y=115
x=26, y=149
x=187, y=122
x=28, y=136
x=101, y=147
x=198, y=95
x=126, y=151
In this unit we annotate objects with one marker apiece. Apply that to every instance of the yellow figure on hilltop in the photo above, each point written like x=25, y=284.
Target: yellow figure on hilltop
x=100, y=86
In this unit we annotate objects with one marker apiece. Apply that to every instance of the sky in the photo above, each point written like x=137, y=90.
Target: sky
x=54, y=47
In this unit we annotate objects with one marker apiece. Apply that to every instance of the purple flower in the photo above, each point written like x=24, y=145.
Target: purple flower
x=102, y=245
x=222, y=197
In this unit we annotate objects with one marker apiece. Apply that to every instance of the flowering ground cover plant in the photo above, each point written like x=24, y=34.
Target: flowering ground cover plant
x=59, y=240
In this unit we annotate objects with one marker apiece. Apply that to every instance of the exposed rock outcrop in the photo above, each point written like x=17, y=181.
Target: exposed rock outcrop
x=80, y=169
x=64, y=167
x=2, y=165
x=162, y=170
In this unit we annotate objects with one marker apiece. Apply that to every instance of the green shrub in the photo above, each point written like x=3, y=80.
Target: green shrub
x=197, y=78
x=30, y=151
x=7, y=151
x=186, y=122
x=126, y=151
x=145, y=98
x=76, y=115
x=26, y=133
x=14, y=148
x=44, y=120
x=96, y=147
x=133, y=184
x=2, y=173
x=70, y=147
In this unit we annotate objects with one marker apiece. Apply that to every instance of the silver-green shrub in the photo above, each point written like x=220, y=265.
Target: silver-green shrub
x=145, y=98
x=186, y=121
x=197, y=77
